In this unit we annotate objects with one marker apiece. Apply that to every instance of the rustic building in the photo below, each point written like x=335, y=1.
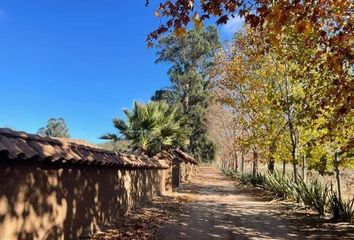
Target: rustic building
x=59, y=188
x=181, y=168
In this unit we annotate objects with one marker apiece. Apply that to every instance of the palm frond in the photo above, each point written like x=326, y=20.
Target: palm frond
x=110, y=136
x=152, y=127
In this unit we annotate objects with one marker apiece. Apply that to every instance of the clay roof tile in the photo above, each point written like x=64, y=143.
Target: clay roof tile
x=24, y=146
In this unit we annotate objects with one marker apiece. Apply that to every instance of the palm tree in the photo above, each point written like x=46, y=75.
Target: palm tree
x=151, y=128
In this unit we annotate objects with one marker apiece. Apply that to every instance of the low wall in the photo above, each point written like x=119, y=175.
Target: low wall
x=188, y=170
x=64, y=201
x=166, y=178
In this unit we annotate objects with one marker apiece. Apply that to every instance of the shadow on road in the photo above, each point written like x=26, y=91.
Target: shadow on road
x=222, y=210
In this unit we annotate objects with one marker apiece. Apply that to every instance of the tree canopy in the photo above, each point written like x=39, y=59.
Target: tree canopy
x=151, y=128
x=290, y=27
x=190, y=58
x=275, y=102
x=56, y=127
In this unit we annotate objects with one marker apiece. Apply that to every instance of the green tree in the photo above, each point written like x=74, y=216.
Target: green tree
x=56, y=127
x=191, y=57
x=151, y=128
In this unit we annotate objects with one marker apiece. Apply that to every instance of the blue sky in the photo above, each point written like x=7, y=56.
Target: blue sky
x=81, y=60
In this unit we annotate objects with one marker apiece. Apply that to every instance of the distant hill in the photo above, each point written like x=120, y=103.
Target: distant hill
x=120, y=146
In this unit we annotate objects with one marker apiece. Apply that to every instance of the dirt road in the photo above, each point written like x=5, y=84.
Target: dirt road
x=223, y=211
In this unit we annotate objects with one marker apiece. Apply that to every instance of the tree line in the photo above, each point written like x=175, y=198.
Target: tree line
x=282, y=91
x=278, y=98
x=176, y=115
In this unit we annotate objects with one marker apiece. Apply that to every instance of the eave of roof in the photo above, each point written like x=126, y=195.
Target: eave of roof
x=24, y=146
x=171, y=154
x=185, y=156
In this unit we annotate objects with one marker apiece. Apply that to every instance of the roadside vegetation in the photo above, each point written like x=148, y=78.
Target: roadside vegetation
x=312, y=194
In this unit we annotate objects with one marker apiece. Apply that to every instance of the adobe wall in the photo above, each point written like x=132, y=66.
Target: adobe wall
x=166, y=177
x=188, y=170
x=51, y=201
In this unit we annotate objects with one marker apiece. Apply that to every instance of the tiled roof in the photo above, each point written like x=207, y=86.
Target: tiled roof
x=176, y=152
x=24, y=146
x=164, y=155
x=186, y=157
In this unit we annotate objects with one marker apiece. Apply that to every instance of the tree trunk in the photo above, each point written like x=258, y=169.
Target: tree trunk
x=271, y=161
x=255, y=162
x=235, y=162
x=293, y=151
x=295, y=172
x=292, y=131
x=185, y=99
x=242, y=162
x=336, y=165
x=304, y=172
x=284, y=166
x=271, y=164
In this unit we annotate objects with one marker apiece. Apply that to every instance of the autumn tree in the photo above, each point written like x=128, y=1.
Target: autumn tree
x=275, y=101
x=326, y=27
x=247, y=82
x=302, y=59
x=319, y=117
x=223, y=130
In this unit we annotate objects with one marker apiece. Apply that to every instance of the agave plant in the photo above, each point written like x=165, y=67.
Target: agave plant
x=348, y=210
x=342, y=210
x=281, y=186
x=258, y=179
x=231, y=173
x=246, y=178
x=151, y=127
x=314, y=195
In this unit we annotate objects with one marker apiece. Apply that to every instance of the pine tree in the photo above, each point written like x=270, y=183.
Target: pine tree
x=190, y=56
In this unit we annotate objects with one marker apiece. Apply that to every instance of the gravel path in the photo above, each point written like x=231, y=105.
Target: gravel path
x=222, y=211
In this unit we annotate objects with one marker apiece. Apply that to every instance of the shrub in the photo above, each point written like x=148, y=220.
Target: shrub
x=231, y=173
x=348, y=210
x=342, y=210
x=336, y=207
x=281, y=186
x=258, y=180
x=314, y=195
x=245, y=178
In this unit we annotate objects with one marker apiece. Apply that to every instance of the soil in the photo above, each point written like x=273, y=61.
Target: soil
x=215, y=207
x=225, y=209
